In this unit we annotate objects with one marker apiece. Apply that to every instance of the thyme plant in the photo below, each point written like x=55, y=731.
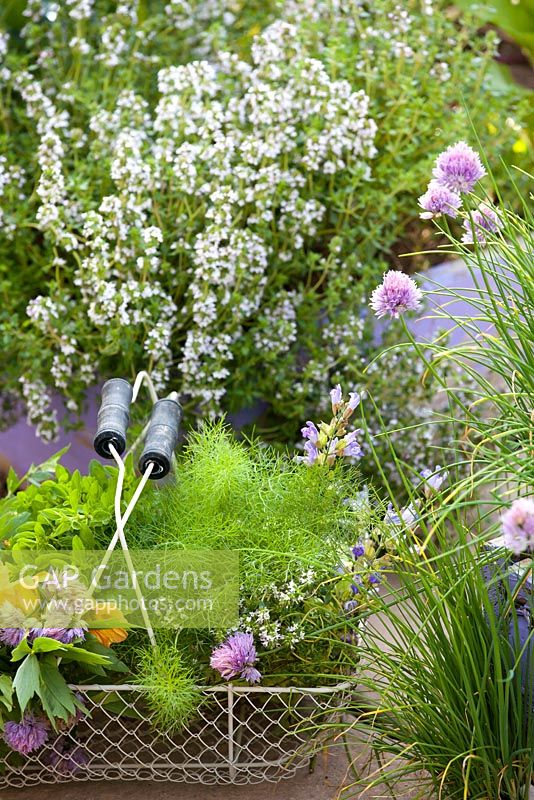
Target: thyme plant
x=212, y=192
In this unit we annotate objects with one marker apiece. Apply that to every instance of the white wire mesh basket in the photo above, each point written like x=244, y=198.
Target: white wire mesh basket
x=241, y=735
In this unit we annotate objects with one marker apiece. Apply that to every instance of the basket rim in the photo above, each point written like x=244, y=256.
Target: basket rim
x=221, y=688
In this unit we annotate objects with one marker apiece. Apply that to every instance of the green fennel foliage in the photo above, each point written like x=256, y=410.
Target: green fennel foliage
x=279, y=515
x=172, y=695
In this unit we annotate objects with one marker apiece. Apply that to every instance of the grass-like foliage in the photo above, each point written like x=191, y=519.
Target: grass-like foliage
x=281, y=516
x=172, y=697
x=455, y=701
x=451, y=651
x=496, y=350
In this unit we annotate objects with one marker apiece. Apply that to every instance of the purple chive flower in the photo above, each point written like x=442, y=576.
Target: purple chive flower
x=236, y=657
x=484, y=219
x=438, y=200
x=63, y=635
x=358, y=550
x=67, y=761
x=336, y=397
x=396, y=294
x=310, y=432
x=12, y=636
x=28, y=735
x=518, y=526
x=458, y=168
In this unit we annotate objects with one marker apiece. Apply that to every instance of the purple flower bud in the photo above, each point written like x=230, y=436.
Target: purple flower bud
x=354, y=450
x=374, y=579
x=408, y=516
x=63, y=635
x=67, y=760
x=358, y=550
x=351, y=446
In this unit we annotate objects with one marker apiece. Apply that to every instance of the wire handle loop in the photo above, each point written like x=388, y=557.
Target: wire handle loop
x=161, y=434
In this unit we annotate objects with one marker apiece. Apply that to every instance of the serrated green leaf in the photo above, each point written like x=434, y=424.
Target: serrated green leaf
x=26, y=681
x=43, y=644
x=84, y=656
x=54, y=692
x=21, y=650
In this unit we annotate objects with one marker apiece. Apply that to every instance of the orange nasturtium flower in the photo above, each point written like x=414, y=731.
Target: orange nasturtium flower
x=109, y=636
x=107, y=613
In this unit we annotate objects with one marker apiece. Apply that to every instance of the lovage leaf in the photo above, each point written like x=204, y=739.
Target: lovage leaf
x=26, y=681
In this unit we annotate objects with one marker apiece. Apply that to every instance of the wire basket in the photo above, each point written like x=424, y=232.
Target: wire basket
x=241, y=735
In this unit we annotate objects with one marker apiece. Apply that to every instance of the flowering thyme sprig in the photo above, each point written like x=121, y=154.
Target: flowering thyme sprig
x=331, y=440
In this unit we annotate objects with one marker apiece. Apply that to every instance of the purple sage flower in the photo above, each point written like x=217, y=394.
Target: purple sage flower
x=312, y=454
x=433, y=479
x=12, y=636
x=309, y=431
x=438, y=200
x=518, y=526
x=374, y=578
x=358, y=550
x=26, y=736
x=351, y=446
x=354, y=400
x=236, y=657
x=408, y=516
x=354, y=450
x=336, y=397
x=484, y=219
x=458, y=168
x=396, y=294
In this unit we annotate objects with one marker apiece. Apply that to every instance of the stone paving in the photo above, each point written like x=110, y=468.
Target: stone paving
x=331, y=779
